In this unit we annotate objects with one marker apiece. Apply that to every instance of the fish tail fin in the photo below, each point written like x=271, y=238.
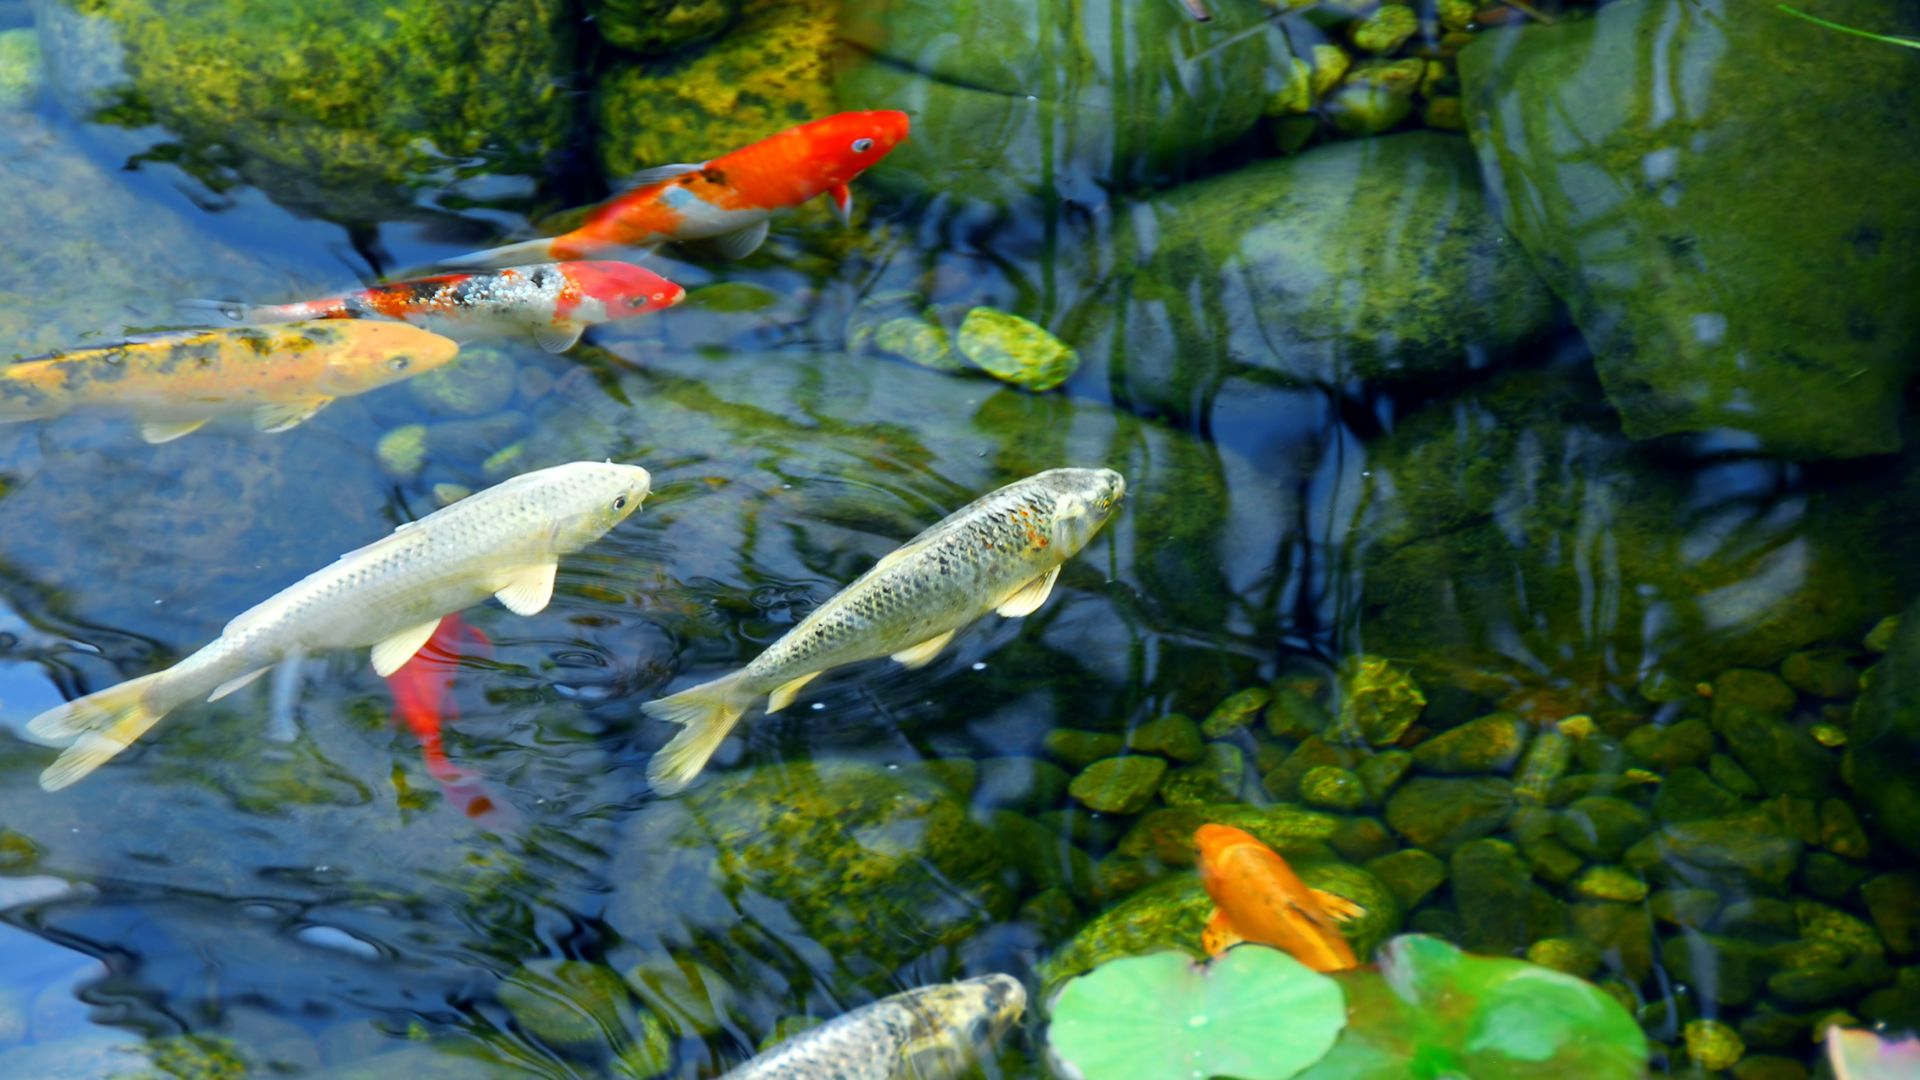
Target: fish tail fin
x=520, y=254
x=708, y=712
x=218, y=312
x=101, y=724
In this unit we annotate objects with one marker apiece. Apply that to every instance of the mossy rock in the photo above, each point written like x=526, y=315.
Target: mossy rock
x=1017, y=99
x=569, y=1002
x=767, y=74
x=21, y=69
x=839, y=847
x=652, y=28
x=1886, y=737
x=350, y=112
x=1729, y=287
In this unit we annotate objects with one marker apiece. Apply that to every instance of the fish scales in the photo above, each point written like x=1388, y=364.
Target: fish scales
x=930, y=1033
x=391, y=593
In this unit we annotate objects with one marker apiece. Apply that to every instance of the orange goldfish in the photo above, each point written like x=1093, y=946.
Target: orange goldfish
x=1258, y=898
x=730, y=197
x=174, y=383
x=422, y=700
x=556, y=301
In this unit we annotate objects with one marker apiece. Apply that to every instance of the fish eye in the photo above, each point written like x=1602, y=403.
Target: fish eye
x=861, y=146
x=659, y=296
x=620, y=503
x=399, y=363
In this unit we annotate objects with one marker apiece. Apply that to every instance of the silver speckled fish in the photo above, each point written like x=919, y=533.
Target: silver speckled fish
x=933, y=1033
x=1002, y=552
x=505, y=541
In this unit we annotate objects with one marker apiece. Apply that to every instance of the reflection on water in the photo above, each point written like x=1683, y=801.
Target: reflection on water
x=1352, y=410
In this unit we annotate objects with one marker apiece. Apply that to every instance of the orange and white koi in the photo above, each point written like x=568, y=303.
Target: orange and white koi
x=555, y=301
x=729, y=198
x=1259, y=898
x=174, y=383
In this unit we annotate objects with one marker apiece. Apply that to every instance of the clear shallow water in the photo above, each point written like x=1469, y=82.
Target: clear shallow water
x=318, y=900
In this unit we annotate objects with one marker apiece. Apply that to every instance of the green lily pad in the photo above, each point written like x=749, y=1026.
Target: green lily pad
x=1254, y=1014
x=1433, y=1011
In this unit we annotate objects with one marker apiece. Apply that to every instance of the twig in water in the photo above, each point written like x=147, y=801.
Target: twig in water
x=1911, y=43
x=1529, y=11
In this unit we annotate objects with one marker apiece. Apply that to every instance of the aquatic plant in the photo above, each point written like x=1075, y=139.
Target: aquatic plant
x=1862, y=1055
x=1429, y=1011
x=1911, y=43
x=1151, y=1017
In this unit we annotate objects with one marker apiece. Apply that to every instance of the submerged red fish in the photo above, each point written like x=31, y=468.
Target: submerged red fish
x=555, y=301
x=730, y=197
x=422, y=700
x=1259, y=898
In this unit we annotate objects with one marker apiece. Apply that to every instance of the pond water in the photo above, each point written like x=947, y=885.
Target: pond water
x=1477, y=371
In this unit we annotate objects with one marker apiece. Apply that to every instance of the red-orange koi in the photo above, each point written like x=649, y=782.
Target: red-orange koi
x=555, y=301
x=730, y=197
x=1259, y=898
x=422, y=700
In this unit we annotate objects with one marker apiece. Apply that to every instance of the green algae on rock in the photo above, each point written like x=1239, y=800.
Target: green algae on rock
x=1784, y=308
x=21, y=68
x=1014, y=99
x=1886, y=737
x=658, y=27
x=1015, y=350
x=566, y=1001
x=1119, y=785
x=1440, y=814
x=352, y=113
x=1378, y=702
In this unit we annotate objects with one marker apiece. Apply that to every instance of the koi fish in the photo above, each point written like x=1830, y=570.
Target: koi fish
x=504, y=541
x=730, y=197
x=423, y=702
x=1259, y=898
x=174, y=383
x=555, y=301
x=930, y=1033
x=1002, y=552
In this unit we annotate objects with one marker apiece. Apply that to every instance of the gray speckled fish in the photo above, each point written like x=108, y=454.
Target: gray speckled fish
x=1002, y=552
x=505, y=541
x=933, y=1033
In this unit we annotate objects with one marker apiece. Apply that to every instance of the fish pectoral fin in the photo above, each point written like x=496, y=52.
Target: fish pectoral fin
x=231, y=685
x=783, y=694
x=1028, y=598
x=842, y=198
x=663, y=172
x=1219, y=934
x=281, y=415
x=1339, y=908
x=741, y=243
x=528, y=590
x=558, y=338
x=159, y=431
x=922, y=654
x=392, y=654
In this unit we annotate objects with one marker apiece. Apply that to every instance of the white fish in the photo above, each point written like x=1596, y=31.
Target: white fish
x=1002, y=552
x=932, y=1033
x=504, y=541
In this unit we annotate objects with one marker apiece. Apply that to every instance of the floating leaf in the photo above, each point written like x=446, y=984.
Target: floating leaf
x=1862, y=1055
x=1254, y=1014
x=1433, y=1011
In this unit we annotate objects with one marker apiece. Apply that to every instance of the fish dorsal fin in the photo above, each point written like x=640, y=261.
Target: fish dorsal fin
x=663, y=172
x=558, y=337
x=280, y=415
x=1027, y=599
x=1219, y=934
x=528, y=589
x=922, y=654
x=392, y=654
x=841, y=196
x=231, y=685
x=160, y=431
x=741, y=243
x=782, y=695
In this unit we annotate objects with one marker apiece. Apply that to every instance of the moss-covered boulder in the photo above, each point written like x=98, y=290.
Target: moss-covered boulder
x=652, y=28
x=1438, y=815
x=1886, y=738
x=1697, y=231
x=839, y=848
x=1375, y=260
x=1014, y=99
x=350, y=112
x=768, y=73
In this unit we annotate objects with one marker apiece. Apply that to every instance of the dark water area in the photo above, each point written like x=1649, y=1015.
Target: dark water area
x=1522, y=509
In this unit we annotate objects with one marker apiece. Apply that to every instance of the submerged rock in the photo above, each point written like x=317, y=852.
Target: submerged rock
x=1886, y=738
x=348, y=112
x=1378, y=702
x=21, y=69
x=1710, y=229
x=1014, y=99
x=1439, y=815
x=1119, y=785
x=658, y=27
x=1373, y=260
x=1014, y=350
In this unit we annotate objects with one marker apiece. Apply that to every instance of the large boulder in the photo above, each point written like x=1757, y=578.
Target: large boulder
x=351, y=111
x=1374, y=260
x=1723, y=195
x=1016, y=98
x=1885, y=743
